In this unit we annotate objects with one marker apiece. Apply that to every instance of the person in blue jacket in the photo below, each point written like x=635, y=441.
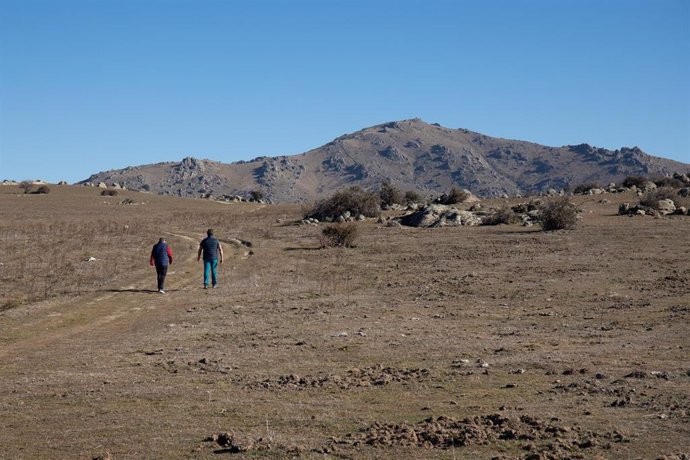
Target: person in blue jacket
x=161, y=257
x=212, y=251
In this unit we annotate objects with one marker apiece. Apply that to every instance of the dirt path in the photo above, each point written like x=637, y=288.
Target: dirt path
x=47, y=324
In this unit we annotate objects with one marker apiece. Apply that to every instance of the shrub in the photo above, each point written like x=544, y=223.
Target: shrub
x=354, y=199
x=256, y=195
x=557, y=214
x=43, y=190
x=339, y=235
x=26, y=186
x=503, y=215
x=453, y=197
x=109, y=192
x=652, y=197
x=412, y=197
x=637, y=181
x=390, y=194
x=668, y=182
x=584, y=188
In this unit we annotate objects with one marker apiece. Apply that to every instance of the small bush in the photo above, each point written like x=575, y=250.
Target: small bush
x=503, y=215
x=26, y=186
x=637, y=181
x=668, y=182
x=339, y=235
x=652, y=197
x=584, y=188
x=109, y=192
x=557, y=214
x=412, y=197
x=43, y=190
x=256, y=195
x=390, y=194
x=354, y=199
x=455, y=196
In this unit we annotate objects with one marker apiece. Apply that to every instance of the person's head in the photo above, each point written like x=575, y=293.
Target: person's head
x=209, y=232
x=162, y=240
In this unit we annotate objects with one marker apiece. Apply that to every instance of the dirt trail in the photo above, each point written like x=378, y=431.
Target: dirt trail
x=59, y=320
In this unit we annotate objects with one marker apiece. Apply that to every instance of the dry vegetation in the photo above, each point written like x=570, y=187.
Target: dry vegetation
x=458, y=342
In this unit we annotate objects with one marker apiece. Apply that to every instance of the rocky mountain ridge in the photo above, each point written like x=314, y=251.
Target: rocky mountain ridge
x=411, y=154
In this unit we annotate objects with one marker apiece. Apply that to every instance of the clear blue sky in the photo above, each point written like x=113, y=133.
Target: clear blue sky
x=92, y=85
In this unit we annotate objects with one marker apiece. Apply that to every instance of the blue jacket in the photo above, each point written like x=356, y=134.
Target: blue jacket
x=161, y=255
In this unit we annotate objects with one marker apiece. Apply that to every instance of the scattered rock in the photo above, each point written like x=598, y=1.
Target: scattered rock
x=636, y=375
x=235, y=443
x=354, y=378
x=556, y=441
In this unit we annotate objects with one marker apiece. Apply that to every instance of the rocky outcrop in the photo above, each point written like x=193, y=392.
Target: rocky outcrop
x=439, y=215
x=410, y=154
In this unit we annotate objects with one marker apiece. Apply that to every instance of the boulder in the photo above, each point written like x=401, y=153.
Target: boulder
x=624, y=209
x=649, y=185
x=425, y=217
x=666, y=206
x=684, y=192
x=438, y=215
x=102, y=185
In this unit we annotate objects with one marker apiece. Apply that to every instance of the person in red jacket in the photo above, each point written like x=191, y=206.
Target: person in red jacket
x=161, y=257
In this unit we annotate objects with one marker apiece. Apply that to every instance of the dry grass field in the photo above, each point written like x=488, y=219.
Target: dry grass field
x=468, y=342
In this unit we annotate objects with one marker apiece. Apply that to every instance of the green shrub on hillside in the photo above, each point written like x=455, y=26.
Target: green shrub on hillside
x=390, y=194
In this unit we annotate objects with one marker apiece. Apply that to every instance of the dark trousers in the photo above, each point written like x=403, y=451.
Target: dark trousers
x=161, y=271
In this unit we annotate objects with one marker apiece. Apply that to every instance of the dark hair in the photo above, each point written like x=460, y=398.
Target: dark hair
x=209, y=232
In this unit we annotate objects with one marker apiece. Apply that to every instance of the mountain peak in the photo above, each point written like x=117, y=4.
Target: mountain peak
x=411, y=154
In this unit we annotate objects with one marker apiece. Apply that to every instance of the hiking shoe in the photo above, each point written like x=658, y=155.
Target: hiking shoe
x=161, y=291
x=215, y=286
x=205, y=286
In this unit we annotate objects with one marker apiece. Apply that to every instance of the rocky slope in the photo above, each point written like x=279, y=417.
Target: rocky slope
x=411, y=154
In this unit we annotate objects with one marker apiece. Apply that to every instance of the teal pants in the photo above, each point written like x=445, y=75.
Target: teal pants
x=211, y=267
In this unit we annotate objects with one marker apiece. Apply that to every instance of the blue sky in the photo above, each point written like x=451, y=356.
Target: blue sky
x=92, y=85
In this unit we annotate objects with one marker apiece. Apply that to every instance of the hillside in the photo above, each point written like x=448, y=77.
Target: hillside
x=412, y=154
x=472, y=342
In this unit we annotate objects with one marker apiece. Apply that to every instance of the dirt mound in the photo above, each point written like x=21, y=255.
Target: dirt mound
x=354, y=378
x=536, y=436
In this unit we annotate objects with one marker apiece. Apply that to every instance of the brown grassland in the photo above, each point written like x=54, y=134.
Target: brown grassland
x=469, y=342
